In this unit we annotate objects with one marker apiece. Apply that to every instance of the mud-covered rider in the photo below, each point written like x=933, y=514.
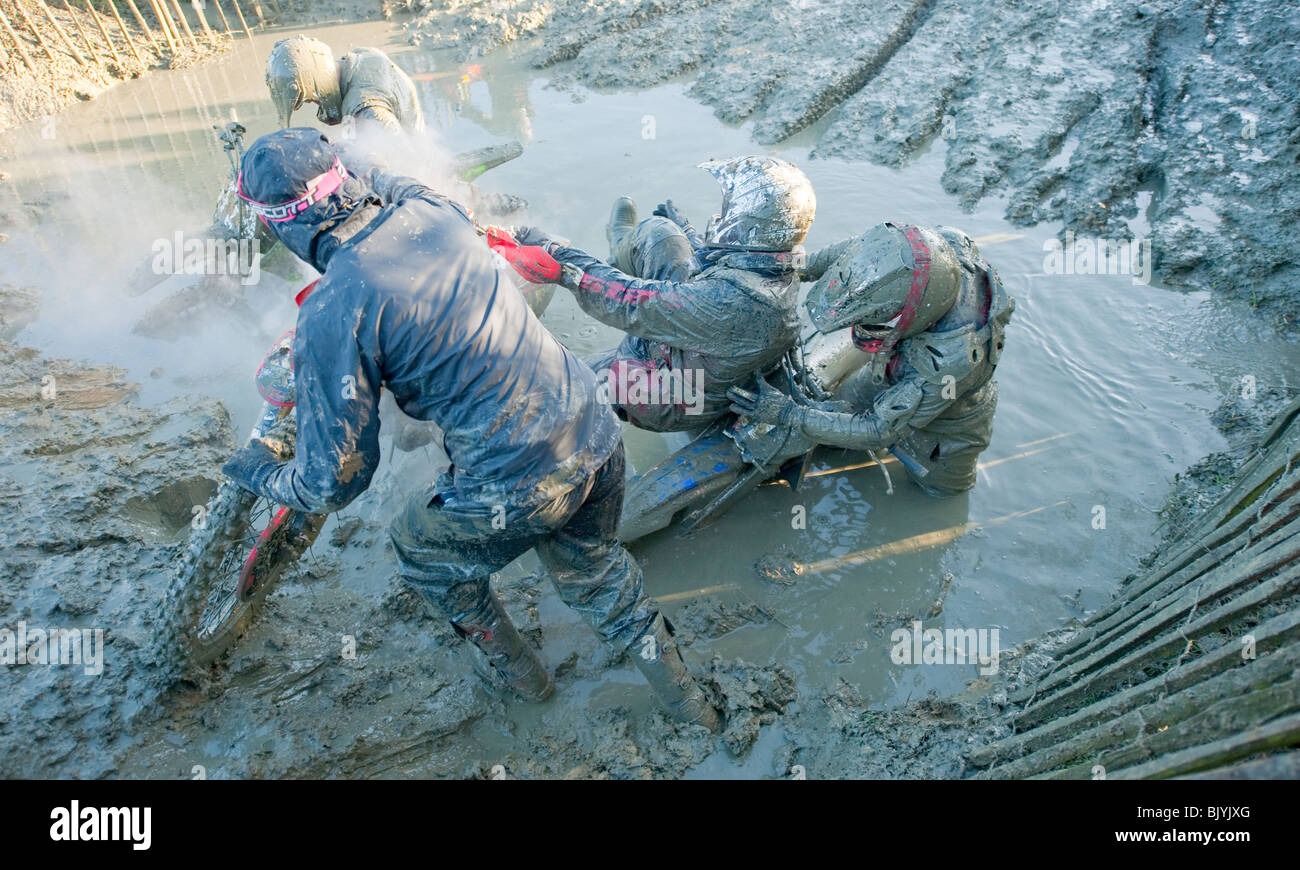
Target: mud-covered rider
x=410, y=300
x=716, y=308
x=364, y=85
x=930, y=314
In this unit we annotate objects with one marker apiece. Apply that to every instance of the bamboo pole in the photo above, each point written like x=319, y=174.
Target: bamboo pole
x=62, y=35
x=1277, y=734
x=126, y=33
x=32, y=26
x=165, y=23
x=1082, y=684
x=1271, y=635
x=104, y=33
x=1261, y=562
x=1116, y=736
x=22, y=49
x=203, y=19
x=144, y=25
x=185, y=24
x=242, y=22
x=225, y=21
x=85, y=40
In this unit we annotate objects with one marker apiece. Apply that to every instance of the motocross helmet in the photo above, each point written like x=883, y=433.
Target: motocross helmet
x=892, y=282
x=294, y=181
x=303, y=70
x=767, y=204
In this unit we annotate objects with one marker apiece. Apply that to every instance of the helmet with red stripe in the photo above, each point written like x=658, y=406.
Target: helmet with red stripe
x=892, y=282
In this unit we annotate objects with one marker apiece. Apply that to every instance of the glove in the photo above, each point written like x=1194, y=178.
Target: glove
x=530, y=261
x=673, y=213
x=768, y=405
x=533, y=236
x=252, y=464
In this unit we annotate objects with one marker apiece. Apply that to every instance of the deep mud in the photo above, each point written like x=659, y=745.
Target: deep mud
x=1180, y=113
x=346, y=675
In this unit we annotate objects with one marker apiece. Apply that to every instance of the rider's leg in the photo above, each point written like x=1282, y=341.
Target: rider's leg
x=596, y=576
x=447, y=555
x=655, y=248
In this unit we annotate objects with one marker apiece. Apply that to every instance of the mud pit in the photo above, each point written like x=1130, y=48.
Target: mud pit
x=1107, y=388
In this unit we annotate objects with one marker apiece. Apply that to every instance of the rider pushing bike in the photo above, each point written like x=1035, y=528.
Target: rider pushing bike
x=409, y=299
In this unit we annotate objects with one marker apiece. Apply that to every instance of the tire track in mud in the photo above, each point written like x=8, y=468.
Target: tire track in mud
x=801, y=110
x=1073, y=111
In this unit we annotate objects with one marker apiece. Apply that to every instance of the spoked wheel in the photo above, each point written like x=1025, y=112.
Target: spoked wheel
x=231, y=564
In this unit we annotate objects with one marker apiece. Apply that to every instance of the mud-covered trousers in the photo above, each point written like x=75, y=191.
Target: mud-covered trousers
x=656, y=249
x=447, y=549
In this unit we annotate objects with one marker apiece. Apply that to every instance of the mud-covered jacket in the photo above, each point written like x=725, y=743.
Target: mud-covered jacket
x=374, y=88
x=412, y=301
x=735, y=317
x=939, y=397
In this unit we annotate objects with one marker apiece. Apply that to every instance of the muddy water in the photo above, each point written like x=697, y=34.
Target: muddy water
x=1106, y=384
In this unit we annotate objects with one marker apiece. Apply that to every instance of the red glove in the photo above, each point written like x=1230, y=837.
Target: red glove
x=531, y=261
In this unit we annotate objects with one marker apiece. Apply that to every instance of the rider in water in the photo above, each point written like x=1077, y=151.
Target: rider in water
x=410, y=300
x=364, y=84
x=721, y=319
x=931, y=314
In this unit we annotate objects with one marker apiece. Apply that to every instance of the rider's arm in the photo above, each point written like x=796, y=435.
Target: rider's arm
x=683, y=314
x=907, y=405
x=819, y=262
x=337, y=391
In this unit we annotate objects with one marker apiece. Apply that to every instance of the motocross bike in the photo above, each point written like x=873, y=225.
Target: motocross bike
x=696, y=484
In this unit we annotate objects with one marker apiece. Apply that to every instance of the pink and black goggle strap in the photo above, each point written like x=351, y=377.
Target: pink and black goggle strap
x=317, y=189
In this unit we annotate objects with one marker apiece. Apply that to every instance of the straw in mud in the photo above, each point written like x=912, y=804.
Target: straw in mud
x=22, y=49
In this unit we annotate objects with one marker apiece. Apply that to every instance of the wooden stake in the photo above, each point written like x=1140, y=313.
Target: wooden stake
x=225, y=21
x=242, y=22
x=165, y=23
x=122, y=27
x=62, y=35
x=22, y=49
x=85, y=40
x=185, y=24
x=203, y=19
x=32, y=25
x=104, y=33
x=144, y=25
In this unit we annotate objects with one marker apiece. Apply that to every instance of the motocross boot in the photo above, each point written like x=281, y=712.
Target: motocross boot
x=487, y=625
x=622, y=220
x=657, y=657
